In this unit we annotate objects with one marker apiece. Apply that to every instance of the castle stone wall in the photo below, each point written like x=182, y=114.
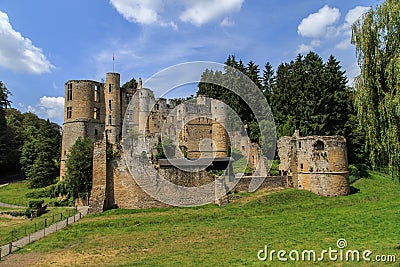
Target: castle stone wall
x=269, y=182
x=126, y=191
x=316, y=163
x=98, y=197
x=97, y=110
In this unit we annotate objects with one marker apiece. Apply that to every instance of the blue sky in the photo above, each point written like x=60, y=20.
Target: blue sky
x=44, y=43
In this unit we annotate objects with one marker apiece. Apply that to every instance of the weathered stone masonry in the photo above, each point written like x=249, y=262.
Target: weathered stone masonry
x=316, y=163
x=97, y=110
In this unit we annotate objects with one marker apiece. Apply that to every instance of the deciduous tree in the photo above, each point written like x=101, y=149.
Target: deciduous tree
x=79, y=164
x=377, y=38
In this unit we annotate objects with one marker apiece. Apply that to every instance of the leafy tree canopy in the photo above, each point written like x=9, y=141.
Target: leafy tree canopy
x=79, y=165
x=377, y=38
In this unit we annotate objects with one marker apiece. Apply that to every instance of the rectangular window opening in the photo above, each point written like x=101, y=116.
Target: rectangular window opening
x=69, y=92
x=69, y=112
x=96, y=93
x=96, y=114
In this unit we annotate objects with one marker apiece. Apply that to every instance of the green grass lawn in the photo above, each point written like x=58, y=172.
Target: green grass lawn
x=232, y=235
x=15, y=193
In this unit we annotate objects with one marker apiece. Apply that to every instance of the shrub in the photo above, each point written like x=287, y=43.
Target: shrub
x=36, y=204
x=357, y=171
x=63, y=203
x=248, y=170
x=274, y=170
x=35, y=208
x=43, y=192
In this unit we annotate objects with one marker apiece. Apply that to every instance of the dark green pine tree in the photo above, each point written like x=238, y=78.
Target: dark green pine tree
x=253, y=72
x=337, y=100
x=313, y=94
x=130, y=84
x=79, y=164
x=268, y=79
x=282, y=98
x=231, y=62
x=240, y=67
x=4, y=138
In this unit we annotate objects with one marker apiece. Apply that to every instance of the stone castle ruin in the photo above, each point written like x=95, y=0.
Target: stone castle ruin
x=315, y=163
x=97, y=110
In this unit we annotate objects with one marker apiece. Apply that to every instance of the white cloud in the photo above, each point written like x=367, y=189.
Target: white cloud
x=31, y=109
x=226, y=22
x=144, y=12
x=344, y=44
x=52, y=107
x=304, y=48
x=354, y=14
x=345, y=29
x=352, y=72
x=149, y=12
x=18, y=53
x=201, y=12
x=48, y=107
x=319, y=24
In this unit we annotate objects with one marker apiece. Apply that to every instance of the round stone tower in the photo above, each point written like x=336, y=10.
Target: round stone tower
x=112, y=97
x=320, y=165
x=83, y=115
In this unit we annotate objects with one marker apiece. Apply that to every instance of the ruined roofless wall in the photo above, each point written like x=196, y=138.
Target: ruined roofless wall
x=317, y=163
x=323, y=166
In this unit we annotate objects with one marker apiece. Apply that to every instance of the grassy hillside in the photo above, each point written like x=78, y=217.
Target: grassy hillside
x=16, y=193
x=232, y=235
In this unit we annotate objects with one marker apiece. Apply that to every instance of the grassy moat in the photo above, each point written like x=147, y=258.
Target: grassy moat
x=231, y=235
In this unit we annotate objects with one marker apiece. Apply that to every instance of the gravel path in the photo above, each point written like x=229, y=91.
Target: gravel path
x=5, y=205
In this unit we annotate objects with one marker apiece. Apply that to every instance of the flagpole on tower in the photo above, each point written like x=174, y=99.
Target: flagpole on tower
x=113, y=63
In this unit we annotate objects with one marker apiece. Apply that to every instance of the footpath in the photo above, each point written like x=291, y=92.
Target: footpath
x=5, y=205
x=13, y=246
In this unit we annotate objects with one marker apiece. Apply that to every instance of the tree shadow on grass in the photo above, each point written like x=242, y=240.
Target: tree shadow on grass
x=353, y=190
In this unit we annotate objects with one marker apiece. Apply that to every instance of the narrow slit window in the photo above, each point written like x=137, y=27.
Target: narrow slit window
x=69, y=92
x=96, y=93
x=69, y=112
x=96, y=113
